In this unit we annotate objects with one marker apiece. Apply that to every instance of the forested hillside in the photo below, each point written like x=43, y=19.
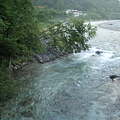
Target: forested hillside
x=95, y=9
x=66, y=4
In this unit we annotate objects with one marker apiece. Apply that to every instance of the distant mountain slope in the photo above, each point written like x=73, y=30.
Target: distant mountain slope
x=105, y=8
x=65, y=4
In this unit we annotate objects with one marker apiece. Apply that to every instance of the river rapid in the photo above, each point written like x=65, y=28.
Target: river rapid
x=74, y=87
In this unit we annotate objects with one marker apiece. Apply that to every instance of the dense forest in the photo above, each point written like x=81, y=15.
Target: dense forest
x=95, y=9
x=23, y=29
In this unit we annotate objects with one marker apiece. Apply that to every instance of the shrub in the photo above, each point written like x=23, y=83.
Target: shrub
x=7, y=83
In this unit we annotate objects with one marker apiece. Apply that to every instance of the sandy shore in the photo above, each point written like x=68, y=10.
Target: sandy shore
x=108, y=36
x=113, y=25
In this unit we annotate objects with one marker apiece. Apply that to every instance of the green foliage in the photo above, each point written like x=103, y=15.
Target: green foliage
x=49, y=15
x=7, y=83
x=17, y=61
x=70, y=36
x=19, y=38
x=103, y=9
x=93, y=16
x=19, y=33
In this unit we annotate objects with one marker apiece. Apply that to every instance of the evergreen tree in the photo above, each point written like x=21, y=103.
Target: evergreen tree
x=19, y=36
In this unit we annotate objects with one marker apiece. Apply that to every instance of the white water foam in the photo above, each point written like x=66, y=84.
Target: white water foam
x=96, y=61
x=103, y=56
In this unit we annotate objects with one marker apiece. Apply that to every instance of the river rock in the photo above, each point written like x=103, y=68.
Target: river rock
x=26, y=101
x=2, y=104
x=27, y=113
x=50, y=55
x=98, y=52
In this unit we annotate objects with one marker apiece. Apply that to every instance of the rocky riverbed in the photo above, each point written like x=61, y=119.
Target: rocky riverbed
x=111, y=25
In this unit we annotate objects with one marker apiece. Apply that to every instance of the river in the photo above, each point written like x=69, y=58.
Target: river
x=74, y=87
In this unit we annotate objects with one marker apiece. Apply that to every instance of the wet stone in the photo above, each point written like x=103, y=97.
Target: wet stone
x=2, y=104
x=26, y=101
x=91, y=103
x=98, y=52
x=27, y=113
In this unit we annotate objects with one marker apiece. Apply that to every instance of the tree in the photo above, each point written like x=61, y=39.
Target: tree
x=70, y=36
x=7, y=83
x=19, y=34
x=46, y=15
x=19, y=37
x=111, y=8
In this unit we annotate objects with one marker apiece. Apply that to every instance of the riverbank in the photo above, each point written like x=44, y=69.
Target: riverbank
x=111, y=25
x=51, y=55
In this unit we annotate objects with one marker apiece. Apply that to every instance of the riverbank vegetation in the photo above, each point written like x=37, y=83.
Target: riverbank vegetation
x=23, y=28
x=19, y=37
x=70, y=36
